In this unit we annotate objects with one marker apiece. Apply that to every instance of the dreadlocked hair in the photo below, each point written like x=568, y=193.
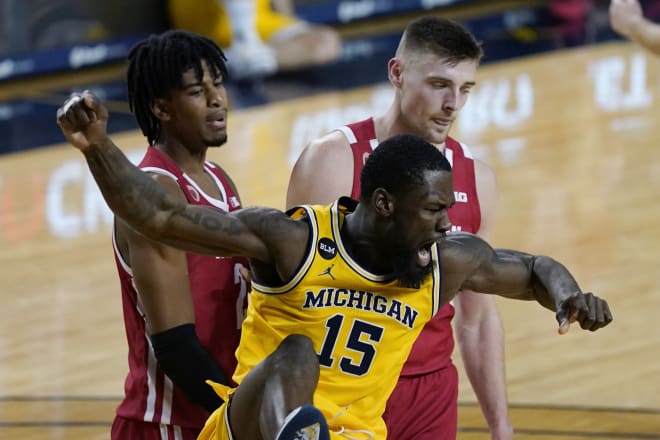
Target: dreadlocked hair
x=156, y=66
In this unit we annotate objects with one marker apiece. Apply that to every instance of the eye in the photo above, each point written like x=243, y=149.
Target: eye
x=196, y=91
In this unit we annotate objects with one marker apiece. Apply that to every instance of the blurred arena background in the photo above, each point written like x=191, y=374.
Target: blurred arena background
x=564, y=111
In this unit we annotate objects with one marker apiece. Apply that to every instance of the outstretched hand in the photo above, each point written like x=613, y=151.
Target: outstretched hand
x=83, y=120
x=589, y=310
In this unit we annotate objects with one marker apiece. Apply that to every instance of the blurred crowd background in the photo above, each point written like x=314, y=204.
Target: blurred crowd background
x=268, y=58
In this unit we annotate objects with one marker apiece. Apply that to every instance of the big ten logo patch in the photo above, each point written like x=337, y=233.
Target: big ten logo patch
x=460, y=197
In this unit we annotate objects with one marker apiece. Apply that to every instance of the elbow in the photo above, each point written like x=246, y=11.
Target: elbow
x=154, y=227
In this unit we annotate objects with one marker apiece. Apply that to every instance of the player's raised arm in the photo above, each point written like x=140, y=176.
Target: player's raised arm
x=142, y=203
x=518, y=275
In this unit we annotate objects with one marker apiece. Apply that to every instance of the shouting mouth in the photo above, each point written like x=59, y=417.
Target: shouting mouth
x=424, y=255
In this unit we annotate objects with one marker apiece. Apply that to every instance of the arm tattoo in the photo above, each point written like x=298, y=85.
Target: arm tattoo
x=211, y=222
x=130, y=193
x=265, y=221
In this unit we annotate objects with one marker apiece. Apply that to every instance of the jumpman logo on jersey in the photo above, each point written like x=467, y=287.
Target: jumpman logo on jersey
x=311, y=432
x=328, y=272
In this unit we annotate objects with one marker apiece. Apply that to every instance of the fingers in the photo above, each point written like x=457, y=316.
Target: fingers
x=83, y=120
x=588, y=317
x=74, y=99
x=603, y=314
x=598, y=314
x=78, y=111
x=589, y=310
x=73, y=114
x=569, y=312
x=564, y=327
x=565, y=321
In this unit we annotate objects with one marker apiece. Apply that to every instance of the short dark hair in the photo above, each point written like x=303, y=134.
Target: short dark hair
x=156, y=66
x=442, y=37
x=398, y=164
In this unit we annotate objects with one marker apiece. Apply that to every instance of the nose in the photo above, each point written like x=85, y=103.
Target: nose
x=444, y=224
x=215, y=96
x=450, y=101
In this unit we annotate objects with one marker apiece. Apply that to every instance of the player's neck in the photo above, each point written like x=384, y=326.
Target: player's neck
x=390, y=124
x=187, y=159
x=360, y=238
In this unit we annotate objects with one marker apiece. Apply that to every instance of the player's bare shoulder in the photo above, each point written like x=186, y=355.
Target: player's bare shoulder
x=464, y=250
x=462, y=254
x=323, y=172
x=333, y=146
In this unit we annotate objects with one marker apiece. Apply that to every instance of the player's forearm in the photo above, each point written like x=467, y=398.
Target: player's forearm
x=552, y=283
x=482, y=350
x=143, y=203
x=183, y=358
x=130, y=193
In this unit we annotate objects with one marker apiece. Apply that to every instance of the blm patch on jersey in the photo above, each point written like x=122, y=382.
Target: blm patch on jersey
x=327, y=248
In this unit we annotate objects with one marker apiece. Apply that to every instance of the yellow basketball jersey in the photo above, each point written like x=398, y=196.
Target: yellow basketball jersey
x=208, y=17
x=362, y=325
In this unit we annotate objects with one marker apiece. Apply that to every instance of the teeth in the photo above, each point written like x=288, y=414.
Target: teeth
x=423, y=257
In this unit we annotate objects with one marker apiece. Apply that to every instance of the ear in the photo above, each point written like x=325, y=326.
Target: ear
x=394, y=70
x=160, y=109
x=383, y=202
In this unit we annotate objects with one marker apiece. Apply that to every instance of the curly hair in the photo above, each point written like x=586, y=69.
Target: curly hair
x=156, y=66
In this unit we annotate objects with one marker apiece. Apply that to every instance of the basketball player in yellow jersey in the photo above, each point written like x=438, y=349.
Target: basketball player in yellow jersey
x=340, y=292
x=362, y=324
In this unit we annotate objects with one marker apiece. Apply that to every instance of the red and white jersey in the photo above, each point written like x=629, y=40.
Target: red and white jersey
x=433, y=348
x=219, y=297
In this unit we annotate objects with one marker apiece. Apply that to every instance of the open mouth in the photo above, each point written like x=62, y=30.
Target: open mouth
x=424, y=255
x=217, y=120
x=218, y=123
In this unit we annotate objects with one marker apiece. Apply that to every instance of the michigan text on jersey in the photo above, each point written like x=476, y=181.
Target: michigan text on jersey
x=362, y=300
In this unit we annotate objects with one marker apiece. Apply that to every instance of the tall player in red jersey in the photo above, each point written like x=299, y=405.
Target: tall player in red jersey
x=432, y=73
x=182, y=312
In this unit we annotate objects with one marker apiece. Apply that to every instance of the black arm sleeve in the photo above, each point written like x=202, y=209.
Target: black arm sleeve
x=181, y=356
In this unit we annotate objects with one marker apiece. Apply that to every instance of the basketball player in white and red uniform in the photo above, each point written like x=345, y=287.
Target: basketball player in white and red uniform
x=432, y=74
x=182, y=312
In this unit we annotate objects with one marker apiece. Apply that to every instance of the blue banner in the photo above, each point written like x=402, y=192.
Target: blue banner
x=346, y=11
x=67, y=58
